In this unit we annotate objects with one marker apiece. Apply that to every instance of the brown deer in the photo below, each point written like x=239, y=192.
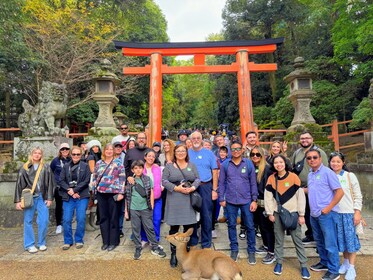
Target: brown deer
x=203, y=263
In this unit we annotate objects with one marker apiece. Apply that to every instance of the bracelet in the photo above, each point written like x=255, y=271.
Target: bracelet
x=215, y=190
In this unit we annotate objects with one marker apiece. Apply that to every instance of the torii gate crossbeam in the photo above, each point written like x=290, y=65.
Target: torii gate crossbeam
x=242, y=66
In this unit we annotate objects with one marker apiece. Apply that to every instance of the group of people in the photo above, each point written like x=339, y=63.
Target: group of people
x=128, y=180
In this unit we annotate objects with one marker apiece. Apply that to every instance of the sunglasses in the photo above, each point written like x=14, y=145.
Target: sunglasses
x=64, y=149
x=76, y=155
x=118, y=146
x=255, y=155
x=236, y=149
x=313, y=157
x=123, y=128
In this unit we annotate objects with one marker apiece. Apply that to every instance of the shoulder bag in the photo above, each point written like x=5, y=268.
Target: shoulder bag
x=27, y=200
x=360, y=226
x=288, y=219
x=195, y=197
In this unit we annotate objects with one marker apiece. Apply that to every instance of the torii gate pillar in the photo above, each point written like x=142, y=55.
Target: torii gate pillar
x=244, y=93
x=155, y=99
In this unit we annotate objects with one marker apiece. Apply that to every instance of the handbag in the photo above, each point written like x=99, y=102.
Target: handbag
x=27, y=200
x=360, y=226
x=288, y=219
x=195, y=197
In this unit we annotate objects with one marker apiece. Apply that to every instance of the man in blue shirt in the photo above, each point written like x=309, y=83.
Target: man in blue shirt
x=238, y=190
x=324, y=194
x=207, y=167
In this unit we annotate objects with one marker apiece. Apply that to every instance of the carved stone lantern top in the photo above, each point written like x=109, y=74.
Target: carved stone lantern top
x=300, y=78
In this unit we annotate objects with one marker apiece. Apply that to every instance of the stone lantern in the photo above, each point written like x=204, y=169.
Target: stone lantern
x=300, y=81
x=104, y=95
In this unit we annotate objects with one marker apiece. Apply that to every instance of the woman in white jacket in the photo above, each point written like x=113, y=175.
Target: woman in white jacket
x=349, y=214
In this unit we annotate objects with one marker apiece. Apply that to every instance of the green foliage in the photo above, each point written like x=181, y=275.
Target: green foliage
x=283, y=111
x=86, y=112
x=363, y=115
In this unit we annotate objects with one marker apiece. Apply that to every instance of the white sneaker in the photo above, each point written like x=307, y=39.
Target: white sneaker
x=213, y=234
x=351, y=274
x=58, y=229
x=343, y=268
x=32, y=250
x=42, y=248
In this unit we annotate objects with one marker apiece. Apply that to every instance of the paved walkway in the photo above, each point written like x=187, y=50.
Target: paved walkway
x=11, y=248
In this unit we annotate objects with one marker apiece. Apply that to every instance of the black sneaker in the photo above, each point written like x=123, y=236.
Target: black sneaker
x=261, y=250
x=307, y=240
x=234, y=255
x=158, y=252
x=330, y=276
x=137, y=254
x=319, y=267
x=269, y=258
x=252, y=259
x=242, y=234
x=121, y=234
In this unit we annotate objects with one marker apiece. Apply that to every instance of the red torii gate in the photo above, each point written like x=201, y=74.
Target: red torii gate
x=199, y=50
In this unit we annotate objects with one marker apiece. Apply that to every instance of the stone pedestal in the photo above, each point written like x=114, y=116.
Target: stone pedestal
x=300, y=82
x=106, y=103
x=49, y=145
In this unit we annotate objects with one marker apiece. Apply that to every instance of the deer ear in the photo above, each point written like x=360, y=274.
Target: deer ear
x=189, y=232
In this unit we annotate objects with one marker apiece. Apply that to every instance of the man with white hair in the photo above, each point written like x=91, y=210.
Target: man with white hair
x=207, y=167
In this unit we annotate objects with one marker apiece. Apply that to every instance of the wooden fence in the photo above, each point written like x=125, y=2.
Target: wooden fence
x=334, y=136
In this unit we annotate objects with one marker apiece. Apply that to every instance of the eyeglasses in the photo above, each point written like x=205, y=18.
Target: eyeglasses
x=123, y=128
x=313, y=157
x=118, y=146
x=180, y=152
x=76, y=155
x=64, y=149
x=236, y=149
x=305, y=138
x=141, y=138
x=255, y=155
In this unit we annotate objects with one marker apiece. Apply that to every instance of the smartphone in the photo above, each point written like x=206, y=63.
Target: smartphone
x=115, y=197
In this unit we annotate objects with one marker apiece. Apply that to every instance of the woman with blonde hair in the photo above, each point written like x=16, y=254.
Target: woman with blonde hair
x=263, y=171
x=38, y=175
x=167, y=154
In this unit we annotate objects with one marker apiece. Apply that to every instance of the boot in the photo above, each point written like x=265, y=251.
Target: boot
x=173, y=259
x=92, y=220
x=88, y=226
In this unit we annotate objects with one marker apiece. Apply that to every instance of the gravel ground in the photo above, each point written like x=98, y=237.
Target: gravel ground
x=150, y=269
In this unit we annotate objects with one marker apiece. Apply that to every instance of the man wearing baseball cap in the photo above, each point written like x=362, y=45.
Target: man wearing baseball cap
x=183, y=136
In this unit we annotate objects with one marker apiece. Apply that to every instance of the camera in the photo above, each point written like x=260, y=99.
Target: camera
x=72, y=184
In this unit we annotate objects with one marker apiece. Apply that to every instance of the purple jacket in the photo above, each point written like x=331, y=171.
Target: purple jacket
x=157, y=175
x=237, y=183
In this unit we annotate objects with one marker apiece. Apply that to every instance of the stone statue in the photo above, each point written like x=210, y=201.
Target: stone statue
x=44, y=119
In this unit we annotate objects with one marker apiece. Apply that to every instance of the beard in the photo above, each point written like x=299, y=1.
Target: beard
x=306, y=146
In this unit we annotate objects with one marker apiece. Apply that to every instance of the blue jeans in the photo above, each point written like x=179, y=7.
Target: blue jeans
x=248, y=218
x=80, y=206
x=42, y=221
x=157, y=217
x=205, y=191
x=324, y=229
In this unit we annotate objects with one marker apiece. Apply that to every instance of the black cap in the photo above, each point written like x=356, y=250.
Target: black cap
x=182, y=132
x=118, y=144
x=156, y=144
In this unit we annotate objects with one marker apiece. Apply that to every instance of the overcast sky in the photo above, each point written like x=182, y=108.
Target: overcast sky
x=191, y=20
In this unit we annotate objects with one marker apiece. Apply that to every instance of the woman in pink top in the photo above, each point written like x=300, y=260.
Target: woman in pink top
x=154, y=172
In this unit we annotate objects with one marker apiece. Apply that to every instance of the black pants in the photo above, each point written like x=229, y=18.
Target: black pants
x=58, y=210
x=109, y=218
x=307, y=217
x=175, y=229
x=266, y=229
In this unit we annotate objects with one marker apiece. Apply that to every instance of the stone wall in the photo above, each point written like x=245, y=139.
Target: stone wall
x=9, y=216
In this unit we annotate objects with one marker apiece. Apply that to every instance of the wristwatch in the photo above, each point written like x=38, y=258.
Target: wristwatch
x=215, y=190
